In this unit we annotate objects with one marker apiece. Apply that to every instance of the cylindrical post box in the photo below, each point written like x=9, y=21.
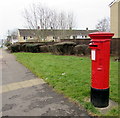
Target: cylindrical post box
x=100, y=56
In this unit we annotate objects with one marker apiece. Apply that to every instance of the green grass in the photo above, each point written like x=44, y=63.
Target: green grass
x=113, y=112
x=70, y=75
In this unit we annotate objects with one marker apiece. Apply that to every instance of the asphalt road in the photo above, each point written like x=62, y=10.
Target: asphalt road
x=23, y=94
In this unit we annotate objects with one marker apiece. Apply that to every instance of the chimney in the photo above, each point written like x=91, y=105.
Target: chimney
x=70, y=28
x=86, y=28
x=38, y=27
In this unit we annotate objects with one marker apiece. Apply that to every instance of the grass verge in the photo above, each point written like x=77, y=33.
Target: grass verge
x=69, y=75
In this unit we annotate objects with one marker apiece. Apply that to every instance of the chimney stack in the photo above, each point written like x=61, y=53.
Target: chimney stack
x=38, y=27
x=86, y=28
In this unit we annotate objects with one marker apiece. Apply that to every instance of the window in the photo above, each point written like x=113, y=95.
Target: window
x=24, y=37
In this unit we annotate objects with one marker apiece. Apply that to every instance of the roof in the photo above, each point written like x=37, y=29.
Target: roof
x=49, y=32
x=113, y=2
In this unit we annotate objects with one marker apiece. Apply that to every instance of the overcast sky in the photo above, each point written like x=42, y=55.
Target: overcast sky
x=87, y=12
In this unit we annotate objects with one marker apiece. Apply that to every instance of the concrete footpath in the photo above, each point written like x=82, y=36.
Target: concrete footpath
x=23, y=94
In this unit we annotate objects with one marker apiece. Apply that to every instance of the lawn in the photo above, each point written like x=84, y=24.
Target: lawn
x=69, y=75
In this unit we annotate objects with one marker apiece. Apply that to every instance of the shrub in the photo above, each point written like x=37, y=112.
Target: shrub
x=7, y=44
x=14, y=48
x=32, y=48
x=81, y=49
x=28, y=47
x=9, y=48
x=23, y=47
x=64, y=48
x=51, y=48
x=44, y=48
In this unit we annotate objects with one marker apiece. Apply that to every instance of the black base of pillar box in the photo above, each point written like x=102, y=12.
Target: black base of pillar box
x=100, y=97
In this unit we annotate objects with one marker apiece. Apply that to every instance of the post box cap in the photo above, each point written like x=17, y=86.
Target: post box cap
x=101, y=35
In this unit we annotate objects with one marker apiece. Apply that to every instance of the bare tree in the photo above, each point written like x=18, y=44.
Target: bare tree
x=62, y=21
x=47, y=18
x=31, y=17
x=103, y=25
x=43, y=17
x=54, y=20
x=70, y=20
x=13, y=33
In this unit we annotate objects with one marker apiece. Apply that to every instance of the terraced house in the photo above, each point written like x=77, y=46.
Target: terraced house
x=33, y=35
x=115, y=18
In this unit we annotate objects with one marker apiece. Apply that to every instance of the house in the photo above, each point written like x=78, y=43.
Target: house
x=31, y=35
x=1, y=43
x=12, y=39
x=115, y=18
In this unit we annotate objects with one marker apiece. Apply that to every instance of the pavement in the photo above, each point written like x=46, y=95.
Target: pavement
x=23, y=94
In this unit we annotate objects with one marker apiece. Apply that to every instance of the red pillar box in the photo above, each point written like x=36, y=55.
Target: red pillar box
x=100, y=56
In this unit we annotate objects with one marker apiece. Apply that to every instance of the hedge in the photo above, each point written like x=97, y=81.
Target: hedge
x=15, y=48
x=44, y=48
x=64, y=48
x=81, y=49
x=32, y=48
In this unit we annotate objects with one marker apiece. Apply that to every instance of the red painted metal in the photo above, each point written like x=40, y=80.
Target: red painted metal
x=100, y=55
